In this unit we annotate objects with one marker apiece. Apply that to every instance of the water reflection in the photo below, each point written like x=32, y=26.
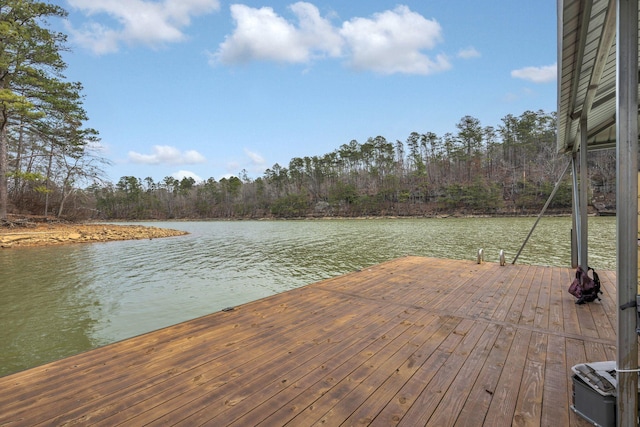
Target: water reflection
x=45, y=307
x=55, y=302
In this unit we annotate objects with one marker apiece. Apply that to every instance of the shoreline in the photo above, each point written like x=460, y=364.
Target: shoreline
x=40, y=234
x=52, y=234
x=330, y=218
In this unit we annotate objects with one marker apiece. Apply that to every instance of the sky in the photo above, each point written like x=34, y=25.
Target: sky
x=210, y=88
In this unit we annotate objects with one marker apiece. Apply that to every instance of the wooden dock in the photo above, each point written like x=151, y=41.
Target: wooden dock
x=414, y=341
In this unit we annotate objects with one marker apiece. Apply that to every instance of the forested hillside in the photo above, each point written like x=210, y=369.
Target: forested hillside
x=509, y=169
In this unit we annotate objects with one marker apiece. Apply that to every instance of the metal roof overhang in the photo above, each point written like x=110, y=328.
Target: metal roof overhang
x=586, y=73
x=595, y=84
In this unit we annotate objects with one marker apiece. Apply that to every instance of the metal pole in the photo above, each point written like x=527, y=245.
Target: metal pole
x=583, y=247
x=627, y=208
x=576, y=209
x=546, y=205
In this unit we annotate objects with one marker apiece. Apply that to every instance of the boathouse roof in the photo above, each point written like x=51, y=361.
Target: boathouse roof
x=586, y=73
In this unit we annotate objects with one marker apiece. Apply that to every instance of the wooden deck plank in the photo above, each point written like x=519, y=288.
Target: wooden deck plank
x=485, y=386
x=359, y=348
x=532, y=288
x=586, y=321
x=269, y=358
x=462, y=293
x=500, y=289
x=502, y=408
x=125, y=355
x=513, y=311
x=345, y=403
x=574, y=354
x=543, y=306
x=440, y=392
x=389, y=391
x=556, y=384
x=508, y=282
x=437, y=349
x=570, y=314
x=601, y=320
x=529, y=404
x=412, y=341
x=293, y=391
x=465, y=336
x=326, y=399
x=557, y=294
x=481, y=298
x=256, y=364
x=450, y=407
x=130, y=376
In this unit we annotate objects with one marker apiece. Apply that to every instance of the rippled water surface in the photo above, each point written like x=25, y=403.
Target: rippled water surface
x=59, y=301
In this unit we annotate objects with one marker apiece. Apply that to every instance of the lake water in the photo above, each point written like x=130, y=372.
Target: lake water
x=59, y=301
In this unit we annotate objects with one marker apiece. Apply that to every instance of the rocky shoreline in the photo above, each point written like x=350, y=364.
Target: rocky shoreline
x=48, y=234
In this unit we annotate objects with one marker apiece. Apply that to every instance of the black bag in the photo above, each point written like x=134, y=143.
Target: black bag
x=584, y=287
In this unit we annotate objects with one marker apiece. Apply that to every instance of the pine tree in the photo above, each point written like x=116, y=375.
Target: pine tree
x=33, y=91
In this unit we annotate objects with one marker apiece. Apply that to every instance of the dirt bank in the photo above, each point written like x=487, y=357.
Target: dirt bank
x=43, y=234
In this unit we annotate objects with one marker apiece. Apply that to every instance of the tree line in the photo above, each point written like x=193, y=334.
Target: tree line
x=509, y=169
x=49, y=164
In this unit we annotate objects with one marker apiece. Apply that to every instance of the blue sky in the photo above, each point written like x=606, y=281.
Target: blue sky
x=207, y=88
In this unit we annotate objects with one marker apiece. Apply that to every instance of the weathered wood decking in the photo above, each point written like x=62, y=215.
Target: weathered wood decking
x=414, y=341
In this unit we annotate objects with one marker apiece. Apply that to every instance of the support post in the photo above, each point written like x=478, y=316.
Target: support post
x=575, y=212
x=577, y=215
x=627, y=208
x=583, y=247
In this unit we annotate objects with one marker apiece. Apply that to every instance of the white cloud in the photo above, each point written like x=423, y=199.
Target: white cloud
x=261, y=34
x=394, y=42
x=256, y=159
x=186, y=174
x=164, y=154
x=145, y=22
x=253, y=163
x=468, y=53
x=543, y=74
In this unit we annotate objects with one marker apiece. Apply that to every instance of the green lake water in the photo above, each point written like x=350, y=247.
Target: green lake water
x=59, y=301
